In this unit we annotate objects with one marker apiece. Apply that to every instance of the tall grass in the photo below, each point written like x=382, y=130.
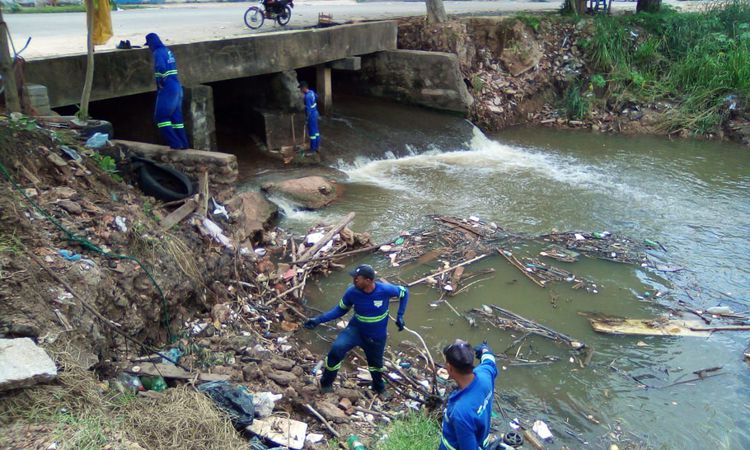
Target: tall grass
x=692, y=59
x=415, y=432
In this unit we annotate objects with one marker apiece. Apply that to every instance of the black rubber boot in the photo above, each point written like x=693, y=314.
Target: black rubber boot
x=326, y=381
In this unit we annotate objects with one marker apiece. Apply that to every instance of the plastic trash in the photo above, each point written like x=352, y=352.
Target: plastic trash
x=720, y=310
x=68, y=255
x=600, y=234
x=235, y=400
x=354, y=443
x=398, y=241
x=130, y=382
x=70, y=153
x=153, y=383
x=317, y=368
x=120, y=222
x=219, y=209
x=542, y=430
x=264, y=403
x=216, y=233
x=174, y=355
x=97, y=140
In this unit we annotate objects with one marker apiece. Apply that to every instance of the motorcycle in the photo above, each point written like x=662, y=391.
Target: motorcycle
x=278, y=10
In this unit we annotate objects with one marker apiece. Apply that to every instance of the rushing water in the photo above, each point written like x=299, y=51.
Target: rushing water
x=398, y=164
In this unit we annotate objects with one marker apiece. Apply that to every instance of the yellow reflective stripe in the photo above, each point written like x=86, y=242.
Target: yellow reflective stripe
x=447, y=445
x=376, y=369
x=168, y=123
x=401, y=292
x=178, y=125
x=165, y=74
x=487, y=357
x=371, y=319
x=336, y=367
x=342, y=305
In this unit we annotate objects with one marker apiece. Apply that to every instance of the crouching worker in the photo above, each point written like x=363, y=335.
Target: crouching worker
x=466, y=421
x=367, y=329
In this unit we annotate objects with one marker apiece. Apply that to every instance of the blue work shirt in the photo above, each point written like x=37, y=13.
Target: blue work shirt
x=466, y=421
x=311, y=102
x=165, y=65
x=370, y=310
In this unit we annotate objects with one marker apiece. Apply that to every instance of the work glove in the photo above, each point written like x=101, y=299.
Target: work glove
x=311, y=323
x=481, y=349
x=400, y=323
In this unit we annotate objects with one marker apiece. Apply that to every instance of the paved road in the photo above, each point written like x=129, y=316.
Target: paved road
x=64, y=33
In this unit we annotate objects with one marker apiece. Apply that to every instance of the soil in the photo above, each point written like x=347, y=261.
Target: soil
x=518, y=75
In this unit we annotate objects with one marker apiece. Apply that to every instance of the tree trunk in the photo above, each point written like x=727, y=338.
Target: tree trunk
x=12, y=102
x=436, y=11
x=83, y=112
x=650, y=6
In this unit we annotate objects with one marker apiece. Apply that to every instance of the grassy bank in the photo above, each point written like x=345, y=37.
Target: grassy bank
x=698, y=62
x=415, y=432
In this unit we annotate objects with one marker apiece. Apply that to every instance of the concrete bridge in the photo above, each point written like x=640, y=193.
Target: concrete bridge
x=231, y=72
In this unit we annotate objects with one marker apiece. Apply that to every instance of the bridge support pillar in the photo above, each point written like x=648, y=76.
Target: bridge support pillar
x=200, y=121
x=323, y=88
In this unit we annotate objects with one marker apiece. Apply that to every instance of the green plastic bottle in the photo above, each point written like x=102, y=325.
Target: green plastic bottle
x=354, y=443
x=153, y=383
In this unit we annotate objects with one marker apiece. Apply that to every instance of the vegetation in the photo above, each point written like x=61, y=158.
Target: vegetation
x=108, y=165
x=693, y=60
x=415, y=432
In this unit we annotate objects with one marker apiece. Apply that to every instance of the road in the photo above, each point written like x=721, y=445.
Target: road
x=64, y=33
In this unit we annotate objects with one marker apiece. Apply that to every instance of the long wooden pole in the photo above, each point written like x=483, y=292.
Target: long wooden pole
x=318, y=245
x=83, y=113
x=12, y=102
x=415, y=282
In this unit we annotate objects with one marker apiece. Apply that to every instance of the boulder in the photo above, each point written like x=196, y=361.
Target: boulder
x=252, y=214
x=331, y=412
x=281, y=363
x=313, y=192
x=282, y=378
x=23, y=363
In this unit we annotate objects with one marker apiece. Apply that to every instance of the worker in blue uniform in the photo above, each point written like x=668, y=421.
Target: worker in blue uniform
x=168, y=111
x=311, y=109
x=466, y=421
x=367, y=329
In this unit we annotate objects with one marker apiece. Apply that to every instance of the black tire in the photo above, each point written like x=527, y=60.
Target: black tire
x=163, y=182
x=254, y=17
x=284, y=17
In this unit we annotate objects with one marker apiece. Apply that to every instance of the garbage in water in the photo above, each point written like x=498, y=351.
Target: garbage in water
x=234, y=399
x=542, y=430
x=97, y=140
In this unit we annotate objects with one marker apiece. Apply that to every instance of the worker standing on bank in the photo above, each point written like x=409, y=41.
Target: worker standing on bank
x=367, y=329
x=168, y=111
x=311, y=109
x=466, y=421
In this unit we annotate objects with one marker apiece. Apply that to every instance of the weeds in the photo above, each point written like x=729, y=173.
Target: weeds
x=532, y=22
x=695, y=60
x=575, y=104
x=108, y=165
x=415, y=432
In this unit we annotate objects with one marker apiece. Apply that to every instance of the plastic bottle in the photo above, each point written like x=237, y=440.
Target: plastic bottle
x=154, y=383
x=130, y=382
x=354, y=443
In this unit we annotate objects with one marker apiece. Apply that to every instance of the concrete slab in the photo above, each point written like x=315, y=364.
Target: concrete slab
x=283, y=431
x=23, y=363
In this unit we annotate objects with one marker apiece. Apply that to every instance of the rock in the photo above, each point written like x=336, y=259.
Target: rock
x=63, y=192
x=281, y=363
x=23, y=363
x=252, y=214
x=352, y=394
x=331, y=412
x=345, y=404
x=70, y=206
x=298, y=371
x=251, y=372
x=282, y=378
x=312, y=192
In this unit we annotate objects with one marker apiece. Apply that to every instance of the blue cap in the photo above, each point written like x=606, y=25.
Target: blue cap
x=364, y=270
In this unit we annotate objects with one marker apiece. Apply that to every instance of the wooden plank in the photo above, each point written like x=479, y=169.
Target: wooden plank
x=415, y=282
x=179, y=214
x=204, y=194
x=649, y=327
x=174, y=372
x=309, y=253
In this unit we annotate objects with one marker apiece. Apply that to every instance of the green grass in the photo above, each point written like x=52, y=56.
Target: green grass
x=415, y=432
x=694, y=60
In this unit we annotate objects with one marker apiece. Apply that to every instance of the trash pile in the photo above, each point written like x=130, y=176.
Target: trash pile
x=601, y=245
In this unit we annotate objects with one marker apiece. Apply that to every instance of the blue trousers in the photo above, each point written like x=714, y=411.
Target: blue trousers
x=347, y=340
x=168, y=116
x=312, y=128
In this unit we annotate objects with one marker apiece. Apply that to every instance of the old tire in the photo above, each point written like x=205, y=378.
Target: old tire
x=97, y=126
x=163, y=182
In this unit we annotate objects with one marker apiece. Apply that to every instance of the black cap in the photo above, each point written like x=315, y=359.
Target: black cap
x=459, y=354
x=365, y=270
x=302, y=84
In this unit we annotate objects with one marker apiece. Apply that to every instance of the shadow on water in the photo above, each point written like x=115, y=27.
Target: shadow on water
x=399, y=164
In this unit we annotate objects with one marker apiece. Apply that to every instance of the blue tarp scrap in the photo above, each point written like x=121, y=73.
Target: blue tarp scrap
x=235, y=400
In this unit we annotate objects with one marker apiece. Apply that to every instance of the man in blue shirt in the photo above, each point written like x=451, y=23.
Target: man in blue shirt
x=368, y=327
x=168, y=111
x=466, y=421
x=311, y=109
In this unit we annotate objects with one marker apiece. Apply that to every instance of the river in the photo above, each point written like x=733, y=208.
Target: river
x=398, y=164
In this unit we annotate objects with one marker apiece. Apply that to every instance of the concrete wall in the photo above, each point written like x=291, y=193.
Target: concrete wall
x=431, y=79
x=127, y=72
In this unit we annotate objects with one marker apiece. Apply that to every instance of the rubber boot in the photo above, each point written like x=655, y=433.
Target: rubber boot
x=327, y=379
x=377, y=382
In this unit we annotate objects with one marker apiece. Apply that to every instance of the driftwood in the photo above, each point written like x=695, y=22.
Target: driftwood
x=518, y=265
x=529, y=326
x=322, y=420
x=328, y=236
x=423, y=279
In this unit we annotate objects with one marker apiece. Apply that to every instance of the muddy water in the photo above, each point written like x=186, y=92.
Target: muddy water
x=691, y=196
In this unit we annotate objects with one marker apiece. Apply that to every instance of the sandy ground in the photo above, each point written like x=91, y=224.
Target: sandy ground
x=64, y=33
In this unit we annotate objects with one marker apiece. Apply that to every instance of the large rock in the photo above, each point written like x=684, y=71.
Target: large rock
x=23, y=363
x=252, y=215
x=331, y=412
x=311, y=192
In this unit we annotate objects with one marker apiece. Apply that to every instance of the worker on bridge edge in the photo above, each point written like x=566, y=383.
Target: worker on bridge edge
x=168, y=111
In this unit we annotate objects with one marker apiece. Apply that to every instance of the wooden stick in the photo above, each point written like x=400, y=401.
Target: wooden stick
x=339, y=255
x=517, y=264
x=328, y=236
x=179, y=214
x=727, y=328
x=413, y=283
x=365, y=410
x=204, y=194
x=323, y=420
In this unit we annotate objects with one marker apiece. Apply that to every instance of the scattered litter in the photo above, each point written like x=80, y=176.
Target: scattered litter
x=314, y=438
x=120, y=222
x=280, y=430
x=264, y=403
x=70, y=153
x=68, y=255
x=215, y=232
x=219, y=209
x=260, y=251
x=97, y=140
x=234, y=399
x=720, y=311
x=542, y=430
